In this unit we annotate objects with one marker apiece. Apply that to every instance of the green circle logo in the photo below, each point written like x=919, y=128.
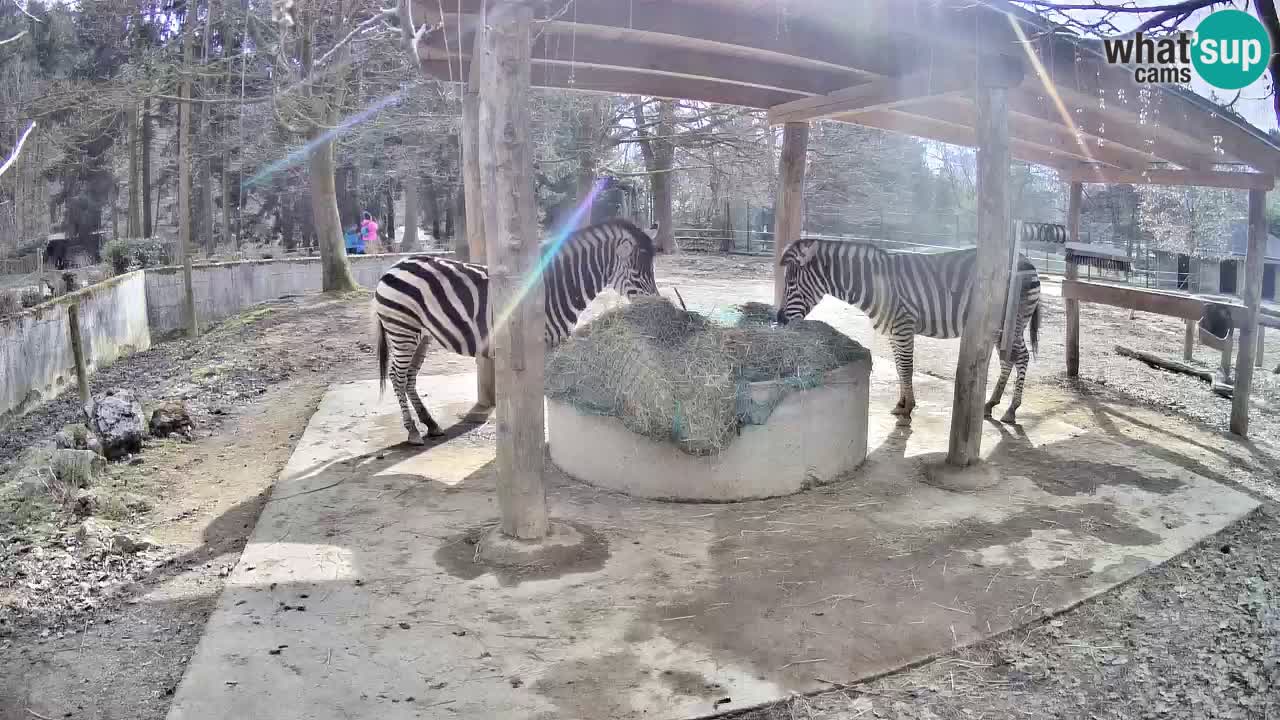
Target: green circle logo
x=1231, y=49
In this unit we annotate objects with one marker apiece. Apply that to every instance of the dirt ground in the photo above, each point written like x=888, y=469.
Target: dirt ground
x=1199, y=637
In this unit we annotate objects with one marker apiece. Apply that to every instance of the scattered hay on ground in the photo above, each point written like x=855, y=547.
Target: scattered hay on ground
x=677, y=376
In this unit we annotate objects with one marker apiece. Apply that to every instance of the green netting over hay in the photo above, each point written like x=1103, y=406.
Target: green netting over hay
x=680, y=377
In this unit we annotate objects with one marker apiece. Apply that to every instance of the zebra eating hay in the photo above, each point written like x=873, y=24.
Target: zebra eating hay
x=424, y=297
x=906, y=294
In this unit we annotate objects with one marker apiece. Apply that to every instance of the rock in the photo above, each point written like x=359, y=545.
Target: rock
x=77, y=437
x=93, y=536
x=128, y=545
x=117, y=419
x=76, y=469
x=171, y=417
x=87, y=502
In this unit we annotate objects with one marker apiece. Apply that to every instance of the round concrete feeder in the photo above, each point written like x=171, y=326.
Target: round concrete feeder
x=812, y=437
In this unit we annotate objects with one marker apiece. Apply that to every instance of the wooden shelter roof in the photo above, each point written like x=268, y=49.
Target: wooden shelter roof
x=903, y=65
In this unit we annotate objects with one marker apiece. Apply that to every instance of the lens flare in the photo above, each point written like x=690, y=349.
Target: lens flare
x=558, y=239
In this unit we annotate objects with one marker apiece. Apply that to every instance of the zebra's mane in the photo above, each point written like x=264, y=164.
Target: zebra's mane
x=622, y=225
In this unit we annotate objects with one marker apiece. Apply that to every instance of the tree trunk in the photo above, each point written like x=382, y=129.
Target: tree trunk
x=448, y=218
x=431, y=205
x=409, y=240
x=389, y=235
x=135, y=187
x=335, y=270
x=184, y=181
x=659, y=156
x=147, y=218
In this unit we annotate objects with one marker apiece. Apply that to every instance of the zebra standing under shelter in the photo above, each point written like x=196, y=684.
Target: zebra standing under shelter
x=907, y=294
x=424, y=297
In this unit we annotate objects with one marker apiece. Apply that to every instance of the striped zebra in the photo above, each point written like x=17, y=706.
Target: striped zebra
x=906, y=294
x=423, y=298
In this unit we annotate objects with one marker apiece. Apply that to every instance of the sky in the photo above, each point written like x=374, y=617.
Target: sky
x=1254, y=104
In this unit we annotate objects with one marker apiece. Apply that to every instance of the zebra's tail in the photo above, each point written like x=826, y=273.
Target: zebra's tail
x=1035, y=331
x=381, y=332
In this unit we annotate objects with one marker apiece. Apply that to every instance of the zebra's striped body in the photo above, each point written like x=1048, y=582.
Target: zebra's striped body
x=423, y=298
x=907, y=294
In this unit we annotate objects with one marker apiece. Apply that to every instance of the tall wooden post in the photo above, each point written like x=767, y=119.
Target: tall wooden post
x=515, y=290
x=474, y=199
x=1252, y=297
x=788, y=217
x=991, y=272
x=1189, y=341
x=1072, y=273
x=77, y=354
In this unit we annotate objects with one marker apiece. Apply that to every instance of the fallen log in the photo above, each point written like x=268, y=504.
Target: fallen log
x=1163, y=364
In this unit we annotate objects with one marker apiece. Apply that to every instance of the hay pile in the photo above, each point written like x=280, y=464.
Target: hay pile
x=679, y=377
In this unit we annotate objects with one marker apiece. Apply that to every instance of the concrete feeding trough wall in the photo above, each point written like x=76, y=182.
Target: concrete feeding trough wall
x=36, y=362
x=812, y=437
x=225, y=289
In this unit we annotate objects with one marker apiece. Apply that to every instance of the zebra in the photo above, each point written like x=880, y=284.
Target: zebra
x=906, y=294
x=423, y=297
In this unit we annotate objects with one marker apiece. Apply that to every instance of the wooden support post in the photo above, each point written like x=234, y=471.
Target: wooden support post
x=473, y=194
x=1073, y=273
x=1189, y=342
x=77, y=352
x=515, y=291
x=1257, y=357
x=991, y=271
x=788, y=219
x=1252, y=297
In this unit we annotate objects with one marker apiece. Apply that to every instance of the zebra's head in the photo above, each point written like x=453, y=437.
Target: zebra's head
x=804, y=283
x=633, y=263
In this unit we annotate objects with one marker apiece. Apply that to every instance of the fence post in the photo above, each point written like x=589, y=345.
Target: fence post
x=77, y=351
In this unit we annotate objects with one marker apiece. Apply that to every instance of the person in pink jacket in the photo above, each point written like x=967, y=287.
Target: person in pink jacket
x=369, y=233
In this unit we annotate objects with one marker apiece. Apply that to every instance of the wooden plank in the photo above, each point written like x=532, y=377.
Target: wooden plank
x=1262, y=342
x=1074, y=203
x=1252, y=297
x=882, y=94
x=506, y=176
x=788, y=219
x=1189, y=341
x=486, y=397
x=991, y=271
x=1140, y=299
x=1160, y=176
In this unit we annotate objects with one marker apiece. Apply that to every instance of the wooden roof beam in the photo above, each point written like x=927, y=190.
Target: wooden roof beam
x=614, y=81
x=867, y=49
x=1046, y=135
x=882, y=94
x=627, y=54
x=1158, y=176
x=957, y=134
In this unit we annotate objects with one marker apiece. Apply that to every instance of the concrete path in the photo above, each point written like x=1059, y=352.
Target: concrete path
x=358, y=595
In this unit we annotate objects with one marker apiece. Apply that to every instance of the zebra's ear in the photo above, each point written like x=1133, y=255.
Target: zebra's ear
x=799, y=252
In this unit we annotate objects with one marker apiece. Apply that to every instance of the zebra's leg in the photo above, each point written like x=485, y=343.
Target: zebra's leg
x=902, y=340
x=998, y=391
x=411, y=386
x=402, y=353
x=1021, y=358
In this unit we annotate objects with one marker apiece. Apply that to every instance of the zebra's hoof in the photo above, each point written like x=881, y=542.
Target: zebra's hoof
x=416, y=440
x=1009, y=419
x=435, y=432
x=986, y=410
